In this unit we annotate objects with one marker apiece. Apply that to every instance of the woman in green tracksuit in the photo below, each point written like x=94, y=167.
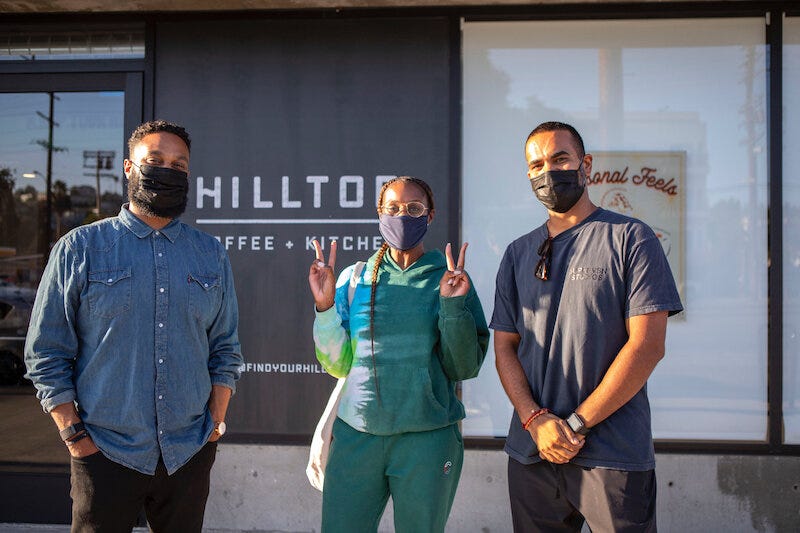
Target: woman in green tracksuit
x=414, y=328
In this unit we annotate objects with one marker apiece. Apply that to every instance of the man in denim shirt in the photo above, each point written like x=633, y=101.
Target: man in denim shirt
x=134, y=351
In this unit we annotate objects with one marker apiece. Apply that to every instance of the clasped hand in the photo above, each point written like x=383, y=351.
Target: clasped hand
x=556, y=441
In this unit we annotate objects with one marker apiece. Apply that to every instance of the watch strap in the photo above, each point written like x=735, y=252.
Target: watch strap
x=72, y=430
x=75, y=439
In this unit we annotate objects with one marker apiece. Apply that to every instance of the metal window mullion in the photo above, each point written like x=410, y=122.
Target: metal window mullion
x=775, y=232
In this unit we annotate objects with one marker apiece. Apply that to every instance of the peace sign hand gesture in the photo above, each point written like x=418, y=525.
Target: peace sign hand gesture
x=321, y=278
x=455, y=281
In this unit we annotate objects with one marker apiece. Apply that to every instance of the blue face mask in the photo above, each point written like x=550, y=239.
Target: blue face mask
x=403, y=232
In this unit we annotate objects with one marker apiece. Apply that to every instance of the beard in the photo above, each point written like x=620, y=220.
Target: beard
x=143, y=199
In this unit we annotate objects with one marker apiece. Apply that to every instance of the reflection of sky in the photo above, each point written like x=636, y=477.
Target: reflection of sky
x=690, y=98
x=791, y=192
x=791, y=105
x=674, y=80
x=86, y=121
x=554, y=80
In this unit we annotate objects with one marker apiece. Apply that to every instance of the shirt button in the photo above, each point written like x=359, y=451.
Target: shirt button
x=160, y=432
x=160, y=396
x=157, y=233
x=160, y=361
x=204, y=284
x=160, y=254
x=110, y=280
x=161, y=289
x=160, y=324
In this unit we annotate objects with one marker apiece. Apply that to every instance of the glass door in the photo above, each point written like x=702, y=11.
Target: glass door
x=60, y=167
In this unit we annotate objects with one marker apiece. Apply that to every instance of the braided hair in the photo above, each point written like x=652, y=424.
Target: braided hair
x=379, y=259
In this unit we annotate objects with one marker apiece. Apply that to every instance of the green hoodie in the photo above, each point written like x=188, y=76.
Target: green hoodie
x=423, y=344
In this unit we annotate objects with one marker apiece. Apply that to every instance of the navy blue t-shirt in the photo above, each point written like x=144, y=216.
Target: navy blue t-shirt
x=604, y=270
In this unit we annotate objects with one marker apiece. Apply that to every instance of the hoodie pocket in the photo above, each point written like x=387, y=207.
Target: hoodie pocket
x=408, y=399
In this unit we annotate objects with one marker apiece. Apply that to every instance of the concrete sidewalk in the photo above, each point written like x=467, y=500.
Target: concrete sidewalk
x=45, y=528
x=57, y=528
x=37, y=528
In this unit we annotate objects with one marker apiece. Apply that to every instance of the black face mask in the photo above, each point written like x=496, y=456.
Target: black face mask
x=558, y=190
x=159, y=191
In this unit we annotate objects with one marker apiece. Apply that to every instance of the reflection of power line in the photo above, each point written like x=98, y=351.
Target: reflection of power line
x=99, y=160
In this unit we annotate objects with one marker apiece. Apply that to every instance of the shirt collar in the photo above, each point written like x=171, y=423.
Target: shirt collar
x=142, y=230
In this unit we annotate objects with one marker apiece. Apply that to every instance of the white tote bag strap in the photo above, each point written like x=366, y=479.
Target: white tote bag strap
x=323, y=434
x=354, y=277
x=321, y=442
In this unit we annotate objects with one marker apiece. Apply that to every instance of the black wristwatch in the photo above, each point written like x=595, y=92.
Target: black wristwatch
x=576, y=424
x=70, y=431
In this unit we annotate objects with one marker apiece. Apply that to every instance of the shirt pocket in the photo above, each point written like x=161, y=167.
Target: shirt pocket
x=204, y=295
x=110, y=292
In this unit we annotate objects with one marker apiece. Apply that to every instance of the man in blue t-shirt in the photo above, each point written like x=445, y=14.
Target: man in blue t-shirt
x=580, y=320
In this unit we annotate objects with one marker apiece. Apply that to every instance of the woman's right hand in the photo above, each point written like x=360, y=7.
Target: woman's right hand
x=321, y=278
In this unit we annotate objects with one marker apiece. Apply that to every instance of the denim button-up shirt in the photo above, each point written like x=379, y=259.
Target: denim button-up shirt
x=135, y=325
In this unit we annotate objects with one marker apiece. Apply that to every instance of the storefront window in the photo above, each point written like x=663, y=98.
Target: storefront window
x=638, y=91
x=60, y=167
x=791, y=230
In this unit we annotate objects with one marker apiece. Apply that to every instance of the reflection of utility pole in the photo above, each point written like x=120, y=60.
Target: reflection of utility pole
x=48, y=145
x=98, y=160
x=612, y=104
x=49, y=174
x=753, y=120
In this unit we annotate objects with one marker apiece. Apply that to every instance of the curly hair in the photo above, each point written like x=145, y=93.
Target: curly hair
x=157, y=126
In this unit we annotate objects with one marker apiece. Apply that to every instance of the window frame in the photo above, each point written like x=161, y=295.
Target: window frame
x=136, y=78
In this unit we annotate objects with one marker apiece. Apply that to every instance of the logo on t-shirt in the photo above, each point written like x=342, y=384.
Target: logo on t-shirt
x=588, y=273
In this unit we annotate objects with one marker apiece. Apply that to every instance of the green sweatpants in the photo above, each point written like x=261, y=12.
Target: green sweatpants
x=420, y=470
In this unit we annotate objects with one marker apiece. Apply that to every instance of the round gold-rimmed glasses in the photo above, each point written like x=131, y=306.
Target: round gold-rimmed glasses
x=412, y=209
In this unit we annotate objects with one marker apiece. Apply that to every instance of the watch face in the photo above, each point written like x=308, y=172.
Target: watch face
x=571, y=422
x=575, y=423
x=221, y=427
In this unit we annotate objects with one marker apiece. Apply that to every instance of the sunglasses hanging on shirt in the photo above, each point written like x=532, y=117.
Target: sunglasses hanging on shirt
x=545, y=259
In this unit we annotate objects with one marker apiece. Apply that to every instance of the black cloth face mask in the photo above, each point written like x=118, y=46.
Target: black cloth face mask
x=161, y=191
x=558, y=190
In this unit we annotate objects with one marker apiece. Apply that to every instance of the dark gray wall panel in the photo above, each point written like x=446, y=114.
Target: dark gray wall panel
x=298, y=98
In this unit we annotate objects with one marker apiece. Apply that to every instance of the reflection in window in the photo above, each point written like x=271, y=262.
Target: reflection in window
x=637, y=87
x=791, y=230
x=60, y=167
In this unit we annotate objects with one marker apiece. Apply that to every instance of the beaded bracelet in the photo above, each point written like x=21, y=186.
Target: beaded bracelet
x=534, y=415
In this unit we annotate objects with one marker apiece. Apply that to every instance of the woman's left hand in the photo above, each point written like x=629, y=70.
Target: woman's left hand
x=455, y=281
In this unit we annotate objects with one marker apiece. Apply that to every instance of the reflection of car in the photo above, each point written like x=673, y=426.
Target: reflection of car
x=15, y=313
